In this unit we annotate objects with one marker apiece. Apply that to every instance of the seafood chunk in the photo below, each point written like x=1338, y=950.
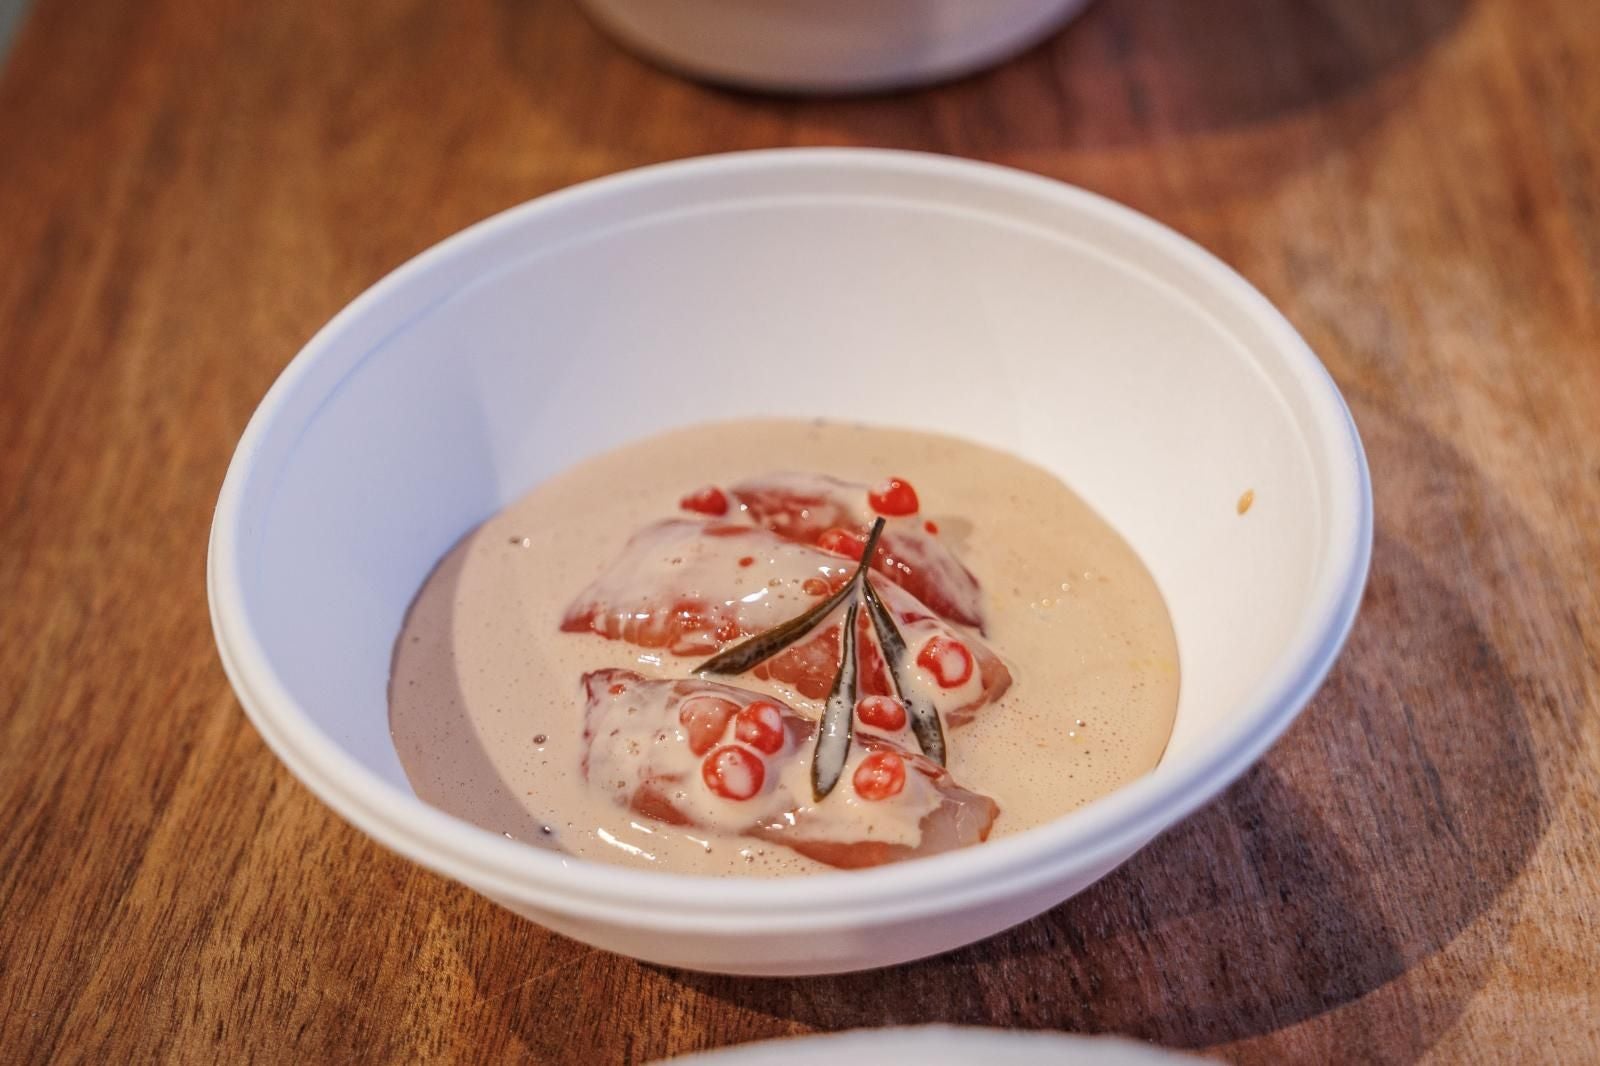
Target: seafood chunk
x=700, y=754
x=835, y=516
x=693, y=587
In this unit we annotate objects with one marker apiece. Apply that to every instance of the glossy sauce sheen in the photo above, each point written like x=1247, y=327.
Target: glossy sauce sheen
x=485, y=698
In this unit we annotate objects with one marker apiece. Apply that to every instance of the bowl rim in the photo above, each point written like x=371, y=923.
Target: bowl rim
x=1109, y=828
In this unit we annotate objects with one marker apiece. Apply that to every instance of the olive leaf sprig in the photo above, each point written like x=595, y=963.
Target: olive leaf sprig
x=836, y=730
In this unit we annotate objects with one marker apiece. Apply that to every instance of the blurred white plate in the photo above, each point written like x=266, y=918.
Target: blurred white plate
x=940, y=1045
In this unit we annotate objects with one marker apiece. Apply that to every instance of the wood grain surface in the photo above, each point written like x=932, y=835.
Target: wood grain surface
x=189, y=189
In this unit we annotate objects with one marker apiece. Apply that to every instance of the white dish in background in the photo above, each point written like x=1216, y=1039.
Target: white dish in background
x=831, y=46
x=958, y=296
x=941, y=1045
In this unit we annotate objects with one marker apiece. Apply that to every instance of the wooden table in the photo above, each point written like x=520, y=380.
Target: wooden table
x=187, y=191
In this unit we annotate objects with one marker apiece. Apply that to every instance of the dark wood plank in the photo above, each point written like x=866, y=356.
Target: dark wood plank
x=187, y=192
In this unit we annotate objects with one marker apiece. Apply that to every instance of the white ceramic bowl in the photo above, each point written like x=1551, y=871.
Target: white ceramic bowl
x=830, y=45
x=1003, y=307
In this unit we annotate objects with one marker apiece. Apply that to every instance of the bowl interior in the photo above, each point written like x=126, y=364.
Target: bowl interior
x=866, y=286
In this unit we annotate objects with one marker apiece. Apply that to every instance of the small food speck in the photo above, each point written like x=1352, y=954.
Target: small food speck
x=1246, y=500
x=540, y=738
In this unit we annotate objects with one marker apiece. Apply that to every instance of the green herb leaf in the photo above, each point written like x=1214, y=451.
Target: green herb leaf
x=837, y=727
x=924, y=715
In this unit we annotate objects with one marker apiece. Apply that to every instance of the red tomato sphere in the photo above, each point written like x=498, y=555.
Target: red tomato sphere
x=733, y=773
x=894, y=498
x=881, y=712
x=760, y=725
x=880, y=775
x=947, y=660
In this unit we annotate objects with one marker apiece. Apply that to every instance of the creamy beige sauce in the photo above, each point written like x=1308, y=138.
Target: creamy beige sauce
x=485, y=704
